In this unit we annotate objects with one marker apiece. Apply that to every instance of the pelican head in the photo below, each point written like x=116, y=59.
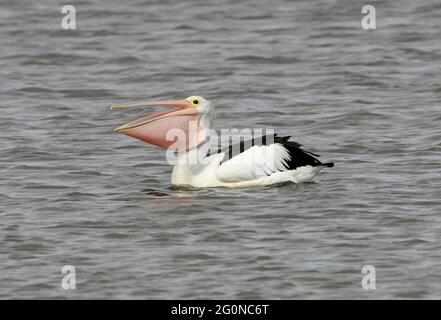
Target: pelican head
x=190, y=118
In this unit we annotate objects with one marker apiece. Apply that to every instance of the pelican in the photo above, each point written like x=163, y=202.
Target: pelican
x=185, y=129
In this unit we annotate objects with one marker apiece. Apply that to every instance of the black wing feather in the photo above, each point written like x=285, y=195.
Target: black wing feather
x=298, y=156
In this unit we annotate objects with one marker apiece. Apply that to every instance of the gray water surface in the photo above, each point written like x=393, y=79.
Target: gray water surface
x=73, y=192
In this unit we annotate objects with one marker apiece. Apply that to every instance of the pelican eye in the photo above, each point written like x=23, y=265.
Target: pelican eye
x=195, y=102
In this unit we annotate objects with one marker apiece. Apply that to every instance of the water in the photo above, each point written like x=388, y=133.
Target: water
x=73, y=192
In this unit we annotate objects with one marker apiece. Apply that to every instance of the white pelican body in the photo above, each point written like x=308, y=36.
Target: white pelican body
x=263, y=161
x=240, y=172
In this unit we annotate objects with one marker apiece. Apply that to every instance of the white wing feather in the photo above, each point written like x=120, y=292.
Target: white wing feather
x=254, y=163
